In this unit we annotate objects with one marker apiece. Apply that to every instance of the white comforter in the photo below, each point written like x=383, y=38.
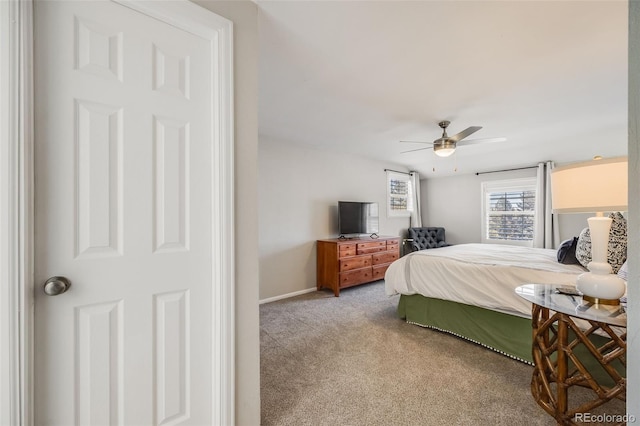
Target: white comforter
x=484, y=275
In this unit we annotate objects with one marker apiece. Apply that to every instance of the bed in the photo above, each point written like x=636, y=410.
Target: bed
x=469, y=290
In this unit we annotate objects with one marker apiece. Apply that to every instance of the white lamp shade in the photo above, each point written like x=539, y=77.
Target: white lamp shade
x=590, y=186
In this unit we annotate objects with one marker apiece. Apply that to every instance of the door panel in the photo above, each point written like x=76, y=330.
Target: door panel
x=124, y=210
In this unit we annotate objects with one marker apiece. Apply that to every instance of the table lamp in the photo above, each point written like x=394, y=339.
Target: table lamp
x=597, y=186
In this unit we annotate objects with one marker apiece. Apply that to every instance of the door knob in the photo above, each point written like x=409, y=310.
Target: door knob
x=56, y=285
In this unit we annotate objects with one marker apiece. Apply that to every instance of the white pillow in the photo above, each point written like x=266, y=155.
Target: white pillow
x=622, y=273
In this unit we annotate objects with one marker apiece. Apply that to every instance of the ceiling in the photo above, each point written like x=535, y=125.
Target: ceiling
x=359, y=76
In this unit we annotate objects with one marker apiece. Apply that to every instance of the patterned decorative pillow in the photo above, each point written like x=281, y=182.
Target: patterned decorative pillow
x=583, y=248
x=617, y=250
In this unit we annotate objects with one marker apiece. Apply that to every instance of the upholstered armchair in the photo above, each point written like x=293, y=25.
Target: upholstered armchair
x=426, y=238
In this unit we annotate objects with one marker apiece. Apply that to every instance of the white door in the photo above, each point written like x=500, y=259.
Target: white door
x=124, y=162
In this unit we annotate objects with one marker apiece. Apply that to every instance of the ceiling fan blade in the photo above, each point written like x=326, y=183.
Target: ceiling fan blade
x=419, y=149
x=463, y=134
x=415, y=142
x=486, y=140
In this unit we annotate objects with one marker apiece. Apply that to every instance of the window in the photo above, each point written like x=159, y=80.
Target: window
x=399, y=194
x=508, y=208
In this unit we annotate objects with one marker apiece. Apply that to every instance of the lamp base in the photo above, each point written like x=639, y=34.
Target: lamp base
x=598, y=301
x=599, y=284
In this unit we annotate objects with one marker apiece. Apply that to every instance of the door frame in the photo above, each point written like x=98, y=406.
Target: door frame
x=16, y=211
x=17, y=200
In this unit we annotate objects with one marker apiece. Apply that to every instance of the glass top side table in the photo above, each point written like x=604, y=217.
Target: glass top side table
x=562, y=325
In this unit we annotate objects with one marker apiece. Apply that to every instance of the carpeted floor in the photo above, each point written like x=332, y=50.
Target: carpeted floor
x=352, y=361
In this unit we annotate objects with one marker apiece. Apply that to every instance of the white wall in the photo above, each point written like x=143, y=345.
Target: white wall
x=633, y=326
x=244, y=15
x=455, y=203
x=299, y=189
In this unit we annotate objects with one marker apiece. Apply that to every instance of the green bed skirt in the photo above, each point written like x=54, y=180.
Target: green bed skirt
x=507, y=334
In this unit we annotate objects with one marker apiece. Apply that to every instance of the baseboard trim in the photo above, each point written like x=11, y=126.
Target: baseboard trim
x=288, y=295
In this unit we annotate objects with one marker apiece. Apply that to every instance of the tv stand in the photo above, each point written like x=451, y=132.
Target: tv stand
x=373, y=236
x=343, y=262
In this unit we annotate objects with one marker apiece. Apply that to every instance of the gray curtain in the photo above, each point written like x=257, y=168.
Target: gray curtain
x=416, y=214
x=546, y=232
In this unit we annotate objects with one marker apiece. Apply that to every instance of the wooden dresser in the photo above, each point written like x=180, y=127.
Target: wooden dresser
x=347, y=262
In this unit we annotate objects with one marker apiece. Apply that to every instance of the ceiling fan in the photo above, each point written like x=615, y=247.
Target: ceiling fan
x=446, y=145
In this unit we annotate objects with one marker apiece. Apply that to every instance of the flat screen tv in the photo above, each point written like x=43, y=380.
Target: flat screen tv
x=356, y=217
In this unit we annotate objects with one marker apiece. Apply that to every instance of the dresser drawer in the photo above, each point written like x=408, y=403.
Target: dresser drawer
x=345, y=250
x=358, y=276
x=371, y=247
x=386, y=257
x=356, y=262
x=379, y=270
x=392, y=246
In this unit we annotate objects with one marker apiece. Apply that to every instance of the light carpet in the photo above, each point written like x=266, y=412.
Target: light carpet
x=350, y=360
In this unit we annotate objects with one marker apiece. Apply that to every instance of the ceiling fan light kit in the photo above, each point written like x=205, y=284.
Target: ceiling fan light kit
x=446, y=145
